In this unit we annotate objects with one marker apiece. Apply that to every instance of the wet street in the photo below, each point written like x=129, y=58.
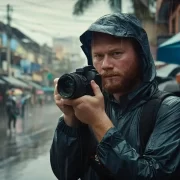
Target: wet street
x=25, y=156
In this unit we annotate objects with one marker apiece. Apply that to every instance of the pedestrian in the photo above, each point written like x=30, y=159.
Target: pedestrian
x=12, y=111
x=129, y=131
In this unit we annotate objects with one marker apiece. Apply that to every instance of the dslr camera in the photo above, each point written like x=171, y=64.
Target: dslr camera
x=78, y=83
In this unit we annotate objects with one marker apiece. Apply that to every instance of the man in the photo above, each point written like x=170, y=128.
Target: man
x=98, y=136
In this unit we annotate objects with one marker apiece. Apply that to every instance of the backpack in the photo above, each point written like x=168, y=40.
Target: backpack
x=11, y=107
x=146, y=126
x=149, y=115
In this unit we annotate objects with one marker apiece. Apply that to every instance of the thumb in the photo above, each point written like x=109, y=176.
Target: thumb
x=56, y=80
x=55, y=84
x=96, y=88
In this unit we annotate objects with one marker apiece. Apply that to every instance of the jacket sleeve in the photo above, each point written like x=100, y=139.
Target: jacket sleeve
x=162, y=155
x=67, y=155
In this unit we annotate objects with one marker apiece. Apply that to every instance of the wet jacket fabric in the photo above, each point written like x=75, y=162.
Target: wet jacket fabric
x=120, y=149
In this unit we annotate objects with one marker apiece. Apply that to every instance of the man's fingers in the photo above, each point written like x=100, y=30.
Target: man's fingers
x=59, y=103
x=73, y=102
x=96, y=88
x=67, y=102
x=57, y=97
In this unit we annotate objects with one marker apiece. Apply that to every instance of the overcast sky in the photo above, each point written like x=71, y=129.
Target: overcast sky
x=42, y=20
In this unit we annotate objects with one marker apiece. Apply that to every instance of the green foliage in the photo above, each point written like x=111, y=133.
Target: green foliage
x=141, y=7
x=81, y=5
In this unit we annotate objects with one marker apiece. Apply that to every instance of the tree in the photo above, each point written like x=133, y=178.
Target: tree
x=141, y=7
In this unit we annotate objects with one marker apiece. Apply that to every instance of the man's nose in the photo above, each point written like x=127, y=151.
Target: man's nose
x=107, y=63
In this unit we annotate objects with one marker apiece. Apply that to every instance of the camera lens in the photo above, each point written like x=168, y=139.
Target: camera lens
x=71, y=86
x=66, y=86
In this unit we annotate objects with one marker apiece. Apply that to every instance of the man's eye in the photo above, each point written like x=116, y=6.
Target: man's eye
x=98, y=56
x=117, y=53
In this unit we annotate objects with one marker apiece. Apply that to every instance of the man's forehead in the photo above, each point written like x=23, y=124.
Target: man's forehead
x=99, y=37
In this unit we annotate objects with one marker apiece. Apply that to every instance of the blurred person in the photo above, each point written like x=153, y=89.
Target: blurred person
x=99, y=137
x=12, y=111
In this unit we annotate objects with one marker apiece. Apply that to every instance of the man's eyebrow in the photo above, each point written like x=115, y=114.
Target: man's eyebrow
x=115, y=49
x=109, y=50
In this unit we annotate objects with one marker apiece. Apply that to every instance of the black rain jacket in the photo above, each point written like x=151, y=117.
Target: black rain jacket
x=119, y=150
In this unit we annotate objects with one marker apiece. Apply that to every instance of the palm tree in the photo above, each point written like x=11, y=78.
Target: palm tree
x=141, y=7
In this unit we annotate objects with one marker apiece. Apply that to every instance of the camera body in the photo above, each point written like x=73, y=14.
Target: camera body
x=78, y=83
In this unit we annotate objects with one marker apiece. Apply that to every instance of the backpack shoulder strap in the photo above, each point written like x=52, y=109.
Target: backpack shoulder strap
x=148, y=117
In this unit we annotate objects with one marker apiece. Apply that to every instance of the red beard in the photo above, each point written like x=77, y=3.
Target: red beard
x=114, y=82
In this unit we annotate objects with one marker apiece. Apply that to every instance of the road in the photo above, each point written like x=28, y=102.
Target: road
x=25, y=156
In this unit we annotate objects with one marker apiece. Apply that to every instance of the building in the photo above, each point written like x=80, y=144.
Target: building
x=26, y=59
x=167, y=19
x=168, y=37
x=67, y=54
x=27, y=56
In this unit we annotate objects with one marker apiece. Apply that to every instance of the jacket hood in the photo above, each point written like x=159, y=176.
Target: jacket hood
x=123, y=25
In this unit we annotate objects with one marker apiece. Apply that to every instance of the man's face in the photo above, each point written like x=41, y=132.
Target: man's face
x=116, y=61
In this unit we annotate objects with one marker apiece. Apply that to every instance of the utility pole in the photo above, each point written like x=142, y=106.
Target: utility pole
x=9, y=34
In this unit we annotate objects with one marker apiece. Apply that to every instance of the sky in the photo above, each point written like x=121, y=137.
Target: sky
x=43, y=20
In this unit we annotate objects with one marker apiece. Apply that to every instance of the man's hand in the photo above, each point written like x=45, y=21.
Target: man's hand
x=90, y=110
x=69, y=116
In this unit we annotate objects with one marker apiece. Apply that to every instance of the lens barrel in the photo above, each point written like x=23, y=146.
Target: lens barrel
x=71, y=86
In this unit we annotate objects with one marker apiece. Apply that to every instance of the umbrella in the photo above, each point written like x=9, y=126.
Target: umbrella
x=170, y=86
x=16, y=91
x=40, y=92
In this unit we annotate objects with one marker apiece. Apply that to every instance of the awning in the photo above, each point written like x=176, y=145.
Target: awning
x=2, y=82
x=48, y=89
x=31, y=83
x=14, y=82
x=35, y=85
x=169, y=51
x=172, y=41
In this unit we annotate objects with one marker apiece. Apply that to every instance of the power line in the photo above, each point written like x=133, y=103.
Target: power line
x=44, y=1
x=48, y=10
x=36, y=4
x=25, y=7
x=34, y=31
x=52, y=19
x=33, y=5
x=49, y=29
x=39, y=24
x=33, y=39
x=40, y=27
x=49, y=14
x=45, y=23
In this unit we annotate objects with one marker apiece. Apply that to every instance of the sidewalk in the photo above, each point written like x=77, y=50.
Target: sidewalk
x=38, y=122
x=34, y=118
x=3, y=122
